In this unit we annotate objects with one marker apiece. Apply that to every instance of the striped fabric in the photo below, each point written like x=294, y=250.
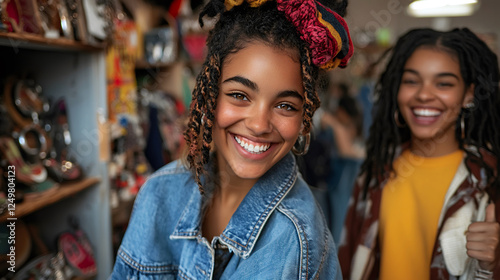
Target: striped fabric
x=324, y=30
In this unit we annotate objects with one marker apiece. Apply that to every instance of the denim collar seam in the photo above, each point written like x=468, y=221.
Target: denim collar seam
x=145, y=268
x=183, y=234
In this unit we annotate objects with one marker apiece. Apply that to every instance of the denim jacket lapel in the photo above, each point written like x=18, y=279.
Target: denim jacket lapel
x=189, y=223
x=247, y=222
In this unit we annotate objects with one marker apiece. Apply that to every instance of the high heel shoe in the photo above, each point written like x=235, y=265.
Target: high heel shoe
x=26, y=173
x=32, y=178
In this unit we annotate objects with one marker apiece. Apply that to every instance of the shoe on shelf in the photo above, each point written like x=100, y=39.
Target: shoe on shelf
x=58, y=163
x=24, y=172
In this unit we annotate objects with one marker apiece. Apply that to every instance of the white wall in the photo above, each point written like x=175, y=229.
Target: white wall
x=365, y=16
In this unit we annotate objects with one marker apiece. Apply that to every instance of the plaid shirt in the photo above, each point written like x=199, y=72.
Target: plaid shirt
x=359, y=253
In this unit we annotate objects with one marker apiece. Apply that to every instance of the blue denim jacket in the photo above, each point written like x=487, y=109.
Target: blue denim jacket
x=277, y=232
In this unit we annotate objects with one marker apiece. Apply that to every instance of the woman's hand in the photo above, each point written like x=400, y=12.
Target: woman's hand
x=483, y=240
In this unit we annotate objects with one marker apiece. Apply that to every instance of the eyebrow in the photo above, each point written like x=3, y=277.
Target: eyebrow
x=290, y=93
x=444, y=74
x=246, y=82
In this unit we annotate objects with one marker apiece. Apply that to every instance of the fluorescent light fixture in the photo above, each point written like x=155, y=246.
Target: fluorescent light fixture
x=442, y=8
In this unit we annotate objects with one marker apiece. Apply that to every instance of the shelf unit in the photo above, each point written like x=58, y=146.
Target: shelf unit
x=65, y=190
x=33, y=41
x=76, y=72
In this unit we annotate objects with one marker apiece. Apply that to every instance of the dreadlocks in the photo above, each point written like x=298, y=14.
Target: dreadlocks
x=478, y=67
x=234, y=30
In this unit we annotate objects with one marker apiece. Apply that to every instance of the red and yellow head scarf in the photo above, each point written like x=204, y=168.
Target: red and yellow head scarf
x=324, y=30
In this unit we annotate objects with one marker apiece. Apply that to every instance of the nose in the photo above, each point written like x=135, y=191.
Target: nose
x=425, y=92
x=259, y=120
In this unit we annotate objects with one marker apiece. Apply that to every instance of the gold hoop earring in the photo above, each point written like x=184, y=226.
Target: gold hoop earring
x=301, y=146
x=396, y=119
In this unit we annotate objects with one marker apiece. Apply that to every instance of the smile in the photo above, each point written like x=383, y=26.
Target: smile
x=426, y=112
x=253, y=148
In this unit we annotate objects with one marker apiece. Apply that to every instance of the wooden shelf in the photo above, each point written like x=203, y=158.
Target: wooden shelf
x=34, y=41
x=30, y=205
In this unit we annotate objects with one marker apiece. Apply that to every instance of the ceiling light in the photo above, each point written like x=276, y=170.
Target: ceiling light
x=442, y=8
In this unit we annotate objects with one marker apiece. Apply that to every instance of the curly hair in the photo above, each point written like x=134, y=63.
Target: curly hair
x=234, y=30
x=478, y=67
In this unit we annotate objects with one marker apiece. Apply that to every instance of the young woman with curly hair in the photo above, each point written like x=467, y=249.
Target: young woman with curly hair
x=238, y=208
x=427, y=202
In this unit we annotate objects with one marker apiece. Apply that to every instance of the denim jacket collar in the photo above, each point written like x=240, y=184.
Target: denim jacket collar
x=247, y=222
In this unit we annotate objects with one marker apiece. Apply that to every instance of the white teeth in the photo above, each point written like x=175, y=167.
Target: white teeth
x=426, y=112
x=255, y=149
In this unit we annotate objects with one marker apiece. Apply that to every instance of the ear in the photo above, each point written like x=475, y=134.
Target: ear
x=469, y=96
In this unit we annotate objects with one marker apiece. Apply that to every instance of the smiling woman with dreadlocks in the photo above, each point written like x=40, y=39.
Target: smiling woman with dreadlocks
x=238, y=208
x=427, y=203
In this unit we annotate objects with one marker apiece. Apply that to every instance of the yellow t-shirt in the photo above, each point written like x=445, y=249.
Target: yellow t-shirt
x=409, y=215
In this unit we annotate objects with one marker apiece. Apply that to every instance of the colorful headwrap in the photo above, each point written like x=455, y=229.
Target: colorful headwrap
x=324, y=30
